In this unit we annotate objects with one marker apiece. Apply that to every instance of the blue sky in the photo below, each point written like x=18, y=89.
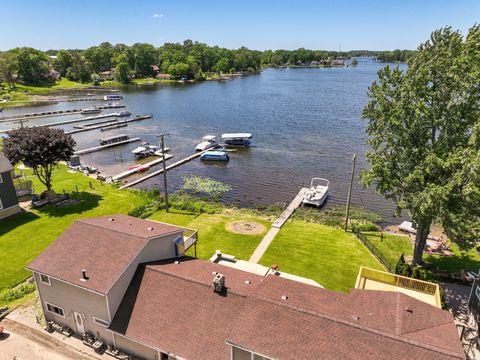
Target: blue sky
x=360, y=24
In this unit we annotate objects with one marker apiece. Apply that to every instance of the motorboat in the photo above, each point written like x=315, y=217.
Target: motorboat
x=124, y=113
x=215, y=155
x=92, y=110
x=237, y=139
x=112, y=97
x=317, y=192
x=208, y=142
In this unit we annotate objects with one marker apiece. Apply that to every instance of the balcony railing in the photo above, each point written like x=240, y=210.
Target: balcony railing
x=404, y=282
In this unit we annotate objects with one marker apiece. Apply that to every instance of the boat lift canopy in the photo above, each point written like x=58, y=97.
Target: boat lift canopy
x=236, y=136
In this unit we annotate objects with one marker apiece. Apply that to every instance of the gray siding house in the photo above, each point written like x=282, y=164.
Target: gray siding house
x=127, y=282
x=8, y=196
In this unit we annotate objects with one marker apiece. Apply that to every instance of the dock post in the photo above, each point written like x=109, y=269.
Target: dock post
x=350, y=191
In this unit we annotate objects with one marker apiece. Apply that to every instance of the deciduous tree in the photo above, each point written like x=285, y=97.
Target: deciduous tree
x=39, y=147
x=424, y=134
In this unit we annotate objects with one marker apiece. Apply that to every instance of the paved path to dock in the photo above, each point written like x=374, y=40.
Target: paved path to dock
x=276, y=226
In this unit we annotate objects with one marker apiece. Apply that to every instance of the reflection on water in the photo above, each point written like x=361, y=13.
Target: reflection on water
x=306, y=123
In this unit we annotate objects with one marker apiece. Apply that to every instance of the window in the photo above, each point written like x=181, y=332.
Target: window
x=45, y=279
x=1, y=205
x=100, y=322
x=1, y=179
x=55, y=309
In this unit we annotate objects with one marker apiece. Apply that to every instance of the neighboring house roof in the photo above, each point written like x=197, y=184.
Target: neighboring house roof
x=312, y=323
x=103, y=246
x=5, y=165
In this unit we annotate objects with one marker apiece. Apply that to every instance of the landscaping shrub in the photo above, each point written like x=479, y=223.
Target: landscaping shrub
x=7, y=295
x=368, y=227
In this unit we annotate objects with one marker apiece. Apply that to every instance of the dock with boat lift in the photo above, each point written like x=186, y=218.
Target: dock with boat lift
x=169, y=167
x=102, y=147
x=129, y=172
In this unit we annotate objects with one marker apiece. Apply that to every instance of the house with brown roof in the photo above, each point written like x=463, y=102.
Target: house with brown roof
x=8, y=196
x=127, y=282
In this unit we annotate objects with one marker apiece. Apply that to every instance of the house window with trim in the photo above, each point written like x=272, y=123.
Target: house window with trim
x=57, y=310
x=100, y=322
x=45, y=279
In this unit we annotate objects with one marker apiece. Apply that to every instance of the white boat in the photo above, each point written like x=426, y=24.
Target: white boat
x=145, y=149
x=208, y=142
x=317, y=192
x=92, y=110
x=237, y=139
x=124, y=113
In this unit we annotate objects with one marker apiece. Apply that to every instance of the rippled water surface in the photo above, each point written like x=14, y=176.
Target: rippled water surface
x=306, y=123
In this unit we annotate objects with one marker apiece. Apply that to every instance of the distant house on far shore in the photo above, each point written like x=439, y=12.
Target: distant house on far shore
x=155, y=68
x=8, y=196
x=164, y=76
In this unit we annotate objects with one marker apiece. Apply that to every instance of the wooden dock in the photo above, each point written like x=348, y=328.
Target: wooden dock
x=277, y=224
x=285, y=215
x=106, y=123
x=43, y=114
x=73, y=121
x=102, y=147
x=148, y=164
x=169, y=167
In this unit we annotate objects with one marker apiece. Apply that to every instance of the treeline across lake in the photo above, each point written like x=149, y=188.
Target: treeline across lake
x=187, y=60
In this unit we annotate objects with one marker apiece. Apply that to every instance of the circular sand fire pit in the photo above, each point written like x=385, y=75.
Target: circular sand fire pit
x=245, y=227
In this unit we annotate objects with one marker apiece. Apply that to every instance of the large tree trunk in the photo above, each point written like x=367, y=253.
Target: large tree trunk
x=423, y=228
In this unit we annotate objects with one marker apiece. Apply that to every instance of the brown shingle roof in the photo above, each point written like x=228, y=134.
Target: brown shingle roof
x=99, y=245
x=5, y=165
x=185, y=317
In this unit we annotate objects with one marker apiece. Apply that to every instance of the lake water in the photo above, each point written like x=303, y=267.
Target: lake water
x=306, y=123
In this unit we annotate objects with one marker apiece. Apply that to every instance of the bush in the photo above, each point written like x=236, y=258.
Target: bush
x=367, y=227
x=7, y=295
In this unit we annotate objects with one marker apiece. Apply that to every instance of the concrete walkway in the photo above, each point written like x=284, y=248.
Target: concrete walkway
x=276, y=226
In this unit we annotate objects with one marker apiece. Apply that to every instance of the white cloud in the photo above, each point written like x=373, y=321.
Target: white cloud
x=158, y=15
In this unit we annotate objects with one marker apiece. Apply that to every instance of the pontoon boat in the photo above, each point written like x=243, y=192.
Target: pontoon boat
x=92, y=110
x=215, y=155
x=145, y=149
x=317, y=193
x=237, y=139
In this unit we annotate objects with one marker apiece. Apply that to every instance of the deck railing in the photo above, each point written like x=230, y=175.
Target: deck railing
x=190, y=238
x=398, y=281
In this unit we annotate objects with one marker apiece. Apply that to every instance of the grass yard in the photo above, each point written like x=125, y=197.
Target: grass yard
x=393, y=246
x=24, y=236
x=322, y=253
x=212, y=232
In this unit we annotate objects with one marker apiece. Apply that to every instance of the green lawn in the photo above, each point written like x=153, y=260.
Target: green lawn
x=322, y=253
x=393, y=246
x=212, y=232
x=24, y=236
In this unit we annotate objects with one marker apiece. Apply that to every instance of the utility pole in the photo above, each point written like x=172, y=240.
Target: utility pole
x=162, y=136
x=350, y=191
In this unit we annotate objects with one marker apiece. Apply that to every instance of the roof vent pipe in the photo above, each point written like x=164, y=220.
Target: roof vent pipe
x=84, y=275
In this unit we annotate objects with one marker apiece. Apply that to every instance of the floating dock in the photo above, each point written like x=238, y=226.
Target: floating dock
x=102, y=147
x=148, y=164
x=169, y=167
x=53, y=113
